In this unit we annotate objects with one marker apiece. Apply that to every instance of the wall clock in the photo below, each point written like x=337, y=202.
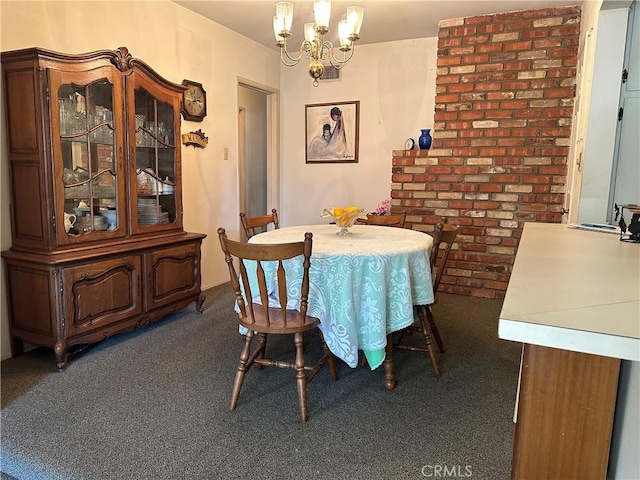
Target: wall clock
x=194, y=101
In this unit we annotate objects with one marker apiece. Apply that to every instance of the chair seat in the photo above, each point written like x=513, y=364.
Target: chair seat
x=276, y=321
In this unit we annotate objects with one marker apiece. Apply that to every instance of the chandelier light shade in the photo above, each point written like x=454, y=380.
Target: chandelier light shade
x=314, y=47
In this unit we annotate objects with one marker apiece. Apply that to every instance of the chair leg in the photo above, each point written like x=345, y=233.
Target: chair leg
x=262, y=345
x=434, y=329
x=301, y=380
x=426, y=332
x=330, y=360
x=241, y=370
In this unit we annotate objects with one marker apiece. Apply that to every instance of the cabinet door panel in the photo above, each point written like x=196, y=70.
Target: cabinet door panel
x=154, y=155
x=30, y=228
x=88, y=141
x=173, y=274
x=102, y=293
x=21, y=109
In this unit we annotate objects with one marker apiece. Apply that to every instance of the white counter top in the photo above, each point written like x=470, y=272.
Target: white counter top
x=574, y=290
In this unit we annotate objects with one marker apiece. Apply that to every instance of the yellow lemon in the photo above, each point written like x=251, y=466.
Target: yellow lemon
x=338, y=211
x=352, y=208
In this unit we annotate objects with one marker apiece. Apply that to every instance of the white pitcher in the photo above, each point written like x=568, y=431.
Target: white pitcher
x=69, y=220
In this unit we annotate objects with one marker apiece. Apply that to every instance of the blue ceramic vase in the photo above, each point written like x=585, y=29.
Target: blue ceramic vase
x=424, y=141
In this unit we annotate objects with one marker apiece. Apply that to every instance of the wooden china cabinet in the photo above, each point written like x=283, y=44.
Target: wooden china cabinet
x=98, y=245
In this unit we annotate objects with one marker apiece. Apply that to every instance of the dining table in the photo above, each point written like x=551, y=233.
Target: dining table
x=362, y=286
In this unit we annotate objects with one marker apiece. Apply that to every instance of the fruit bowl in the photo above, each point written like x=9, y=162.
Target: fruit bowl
x=344, y=217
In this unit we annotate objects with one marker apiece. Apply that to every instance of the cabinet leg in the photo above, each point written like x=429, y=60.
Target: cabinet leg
x=60, y=349
x=200, y=303
x=17, y=347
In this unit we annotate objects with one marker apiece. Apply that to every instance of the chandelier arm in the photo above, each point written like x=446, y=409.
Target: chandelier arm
x=333, y=60
x=289, y=60
x=286, y=59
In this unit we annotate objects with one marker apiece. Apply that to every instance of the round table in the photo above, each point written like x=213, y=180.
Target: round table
x=362, y=286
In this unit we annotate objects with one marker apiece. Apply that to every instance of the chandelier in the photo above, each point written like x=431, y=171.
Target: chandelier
x=314, y=46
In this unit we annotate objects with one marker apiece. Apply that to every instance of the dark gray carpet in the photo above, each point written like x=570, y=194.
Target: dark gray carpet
x=153, y=404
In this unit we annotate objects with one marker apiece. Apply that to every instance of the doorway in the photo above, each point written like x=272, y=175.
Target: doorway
x=258, y=159
x=625, y=177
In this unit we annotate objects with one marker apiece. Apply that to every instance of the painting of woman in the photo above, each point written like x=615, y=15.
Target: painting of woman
x=330, y=134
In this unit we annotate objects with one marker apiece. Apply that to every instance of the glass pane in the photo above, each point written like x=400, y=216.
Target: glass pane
x=88, y=156
x=155, y=159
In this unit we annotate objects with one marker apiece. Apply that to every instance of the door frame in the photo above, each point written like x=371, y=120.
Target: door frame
x=586, y=53
x=273, y=146
x=241, y=160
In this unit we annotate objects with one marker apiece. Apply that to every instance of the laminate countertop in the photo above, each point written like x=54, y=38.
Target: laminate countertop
x=575, y=290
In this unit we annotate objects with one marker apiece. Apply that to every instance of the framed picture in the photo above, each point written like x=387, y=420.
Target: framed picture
x=332, y=132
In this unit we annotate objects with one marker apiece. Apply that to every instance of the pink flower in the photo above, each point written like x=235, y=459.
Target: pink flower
x=383, y=207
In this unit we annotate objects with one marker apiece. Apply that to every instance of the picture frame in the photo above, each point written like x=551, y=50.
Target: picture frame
x=332, y=132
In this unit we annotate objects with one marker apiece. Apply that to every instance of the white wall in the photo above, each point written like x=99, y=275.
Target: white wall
x=178, y=44
x=395, y=84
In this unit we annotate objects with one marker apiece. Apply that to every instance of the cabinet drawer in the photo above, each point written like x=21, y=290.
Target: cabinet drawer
x=172, y=274
x=101, y=294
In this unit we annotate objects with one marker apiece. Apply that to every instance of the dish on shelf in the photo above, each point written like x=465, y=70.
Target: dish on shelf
x=80, y=212
x=110, y=216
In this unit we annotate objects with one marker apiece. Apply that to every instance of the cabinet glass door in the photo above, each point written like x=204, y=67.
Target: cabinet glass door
x=156, y=199
x=87, y=136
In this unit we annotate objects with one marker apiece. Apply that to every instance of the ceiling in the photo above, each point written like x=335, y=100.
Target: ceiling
x=384, y=21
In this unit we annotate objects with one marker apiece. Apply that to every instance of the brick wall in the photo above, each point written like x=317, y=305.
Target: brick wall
x=504, y=102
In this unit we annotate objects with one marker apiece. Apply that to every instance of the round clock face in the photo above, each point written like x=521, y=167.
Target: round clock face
x=409, y=144
x=194, y=102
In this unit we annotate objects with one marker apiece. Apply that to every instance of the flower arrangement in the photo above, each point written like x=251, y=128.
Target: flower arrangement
x=383, y=208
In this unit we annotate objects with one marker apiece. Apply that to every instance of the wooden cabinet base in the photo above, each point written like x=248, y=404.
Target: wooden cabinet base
x=84, y=296
x=565, y=415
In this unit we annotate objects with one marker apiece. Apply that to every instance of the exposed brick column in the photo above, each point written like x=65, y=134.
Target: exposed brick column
x=503, y=109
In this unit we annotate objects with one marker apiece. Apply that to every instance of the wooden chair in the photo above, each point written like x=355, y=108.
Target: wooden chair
x=254, y=225
x=265, y=320
x=444, y=236
x=395, y=220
